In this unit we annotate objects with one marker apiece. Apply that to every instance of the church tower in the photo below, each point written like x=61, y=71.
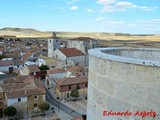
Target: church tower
x=53, y=43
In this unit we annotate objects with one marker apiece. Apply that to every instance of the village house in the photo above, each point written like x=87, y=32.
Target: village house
x=7, y=66
x=24, y=89
x=44, y=60
x=71, y=56
x=76, y=71
x=32, y=70
x=65, y=86
x=3, y=102
x=29, y=57
x=53, y=75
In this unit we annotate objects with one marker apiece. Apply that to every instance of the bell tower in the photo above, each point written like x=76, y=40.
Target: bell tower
x=53, y=43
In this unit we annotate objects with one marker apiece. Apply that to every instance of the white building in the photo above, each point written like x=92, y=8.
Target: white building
x=83, y=43
x=7, y=66
x=71, y=56
x=53, y=75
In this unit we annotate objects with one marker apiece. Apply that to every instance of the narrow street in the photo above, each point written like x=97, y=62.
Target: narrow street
x=61, y=106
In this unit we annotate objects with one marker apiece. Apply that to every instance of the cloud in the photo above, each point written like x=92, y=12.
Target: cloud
x=113, y=5
x=105, y=21
x=74, y=8
x=72, y=1
x=90, y=11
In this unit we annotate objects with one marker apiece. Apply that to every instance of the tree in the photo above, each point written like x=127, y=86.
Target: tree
x=44, y=67
x=43, y=106
x=10, y=111
x=74, y=93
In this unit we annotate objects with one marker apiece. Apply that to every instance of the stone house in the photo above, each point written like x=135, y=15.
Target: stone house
x=53, y=75
x=71, y=56
x=77, y=71
x=83, y=43
x=32, y=70
x=65, y=86
x=24, y=89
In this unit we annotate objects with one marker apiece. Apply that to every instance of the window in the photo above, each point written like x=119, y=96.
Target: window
x=50, y=41
x=86, y=85
x=67, y=95
x=78, y=87
x=35, y=105
x=19, y=99
x=35, y=97
x=56, y=41
x=69, y=86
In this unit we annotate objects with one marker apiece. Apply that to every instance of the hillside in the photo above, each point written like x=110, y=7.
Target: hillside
x=32, y=33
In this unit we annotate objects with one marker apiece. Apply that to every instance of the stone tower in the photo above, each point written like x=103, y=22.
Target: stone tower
x=53, y=43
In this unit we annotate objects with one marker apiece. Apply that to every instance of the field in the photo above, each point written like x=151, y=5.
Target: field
x=106, y=39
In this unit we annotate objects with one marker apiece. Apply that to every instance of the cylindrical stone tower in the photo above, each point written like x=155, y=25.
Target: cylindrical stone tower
x=124, y=80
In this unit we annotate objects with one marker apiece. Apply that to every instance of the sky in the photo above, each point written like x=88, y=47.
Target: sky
x=123, y=16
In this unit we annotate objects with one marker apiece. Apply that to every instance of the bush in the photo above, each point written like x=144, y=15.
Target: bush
x=44, y=67
x=75, y=93
x=43, y=106
x=10, y=111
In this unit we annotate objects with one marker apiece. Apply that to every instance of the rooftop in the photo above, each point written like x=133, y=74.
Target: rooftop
x=71, y=52
x=57, y=70
x=70, y=81
x=22, y=86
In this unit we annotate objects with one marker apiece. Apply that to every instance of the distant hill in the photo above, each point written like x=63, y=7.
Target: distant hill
x=32, y=33
x=24, y=32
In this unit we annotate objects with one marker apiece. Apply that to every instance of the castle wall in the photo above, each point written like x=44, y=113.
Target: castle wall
x=122, y=84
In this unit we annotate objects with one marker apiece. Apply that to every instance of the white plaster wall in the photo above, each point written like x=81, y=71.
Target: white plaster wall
x=6, y=68
x=15, y=100
x=77, y=59
x=121, y=86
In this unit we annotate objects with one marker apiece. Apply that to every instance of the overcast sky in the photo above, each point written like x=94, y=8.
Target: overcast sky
x=127, y=16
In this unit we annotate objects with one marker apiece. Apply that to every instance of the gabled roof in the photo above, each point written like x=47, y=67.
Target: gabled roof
x=33, y=68
x=71, y=52
x=6, y=63
x=57, y=70
x=22, y=86
x=70, y=81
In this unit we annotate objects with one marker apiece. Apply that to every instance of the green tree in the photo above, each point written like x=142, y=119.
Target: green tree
x=44, y=67
x=74, y=93
x=43, y=106
x=10, y=111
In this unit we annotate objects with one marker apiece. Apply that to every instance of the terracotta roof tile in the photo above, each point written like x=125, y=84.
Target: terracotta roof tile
x=57, y=70
x=71, y=52
x=33, y=68
x=76, y=69
x=6, y=62
x=70, y=81
x=22, y=86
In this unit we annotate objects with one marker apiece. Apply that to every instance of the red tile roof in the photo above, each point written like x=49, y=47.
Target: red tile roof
x=33, y=68
x=70, y=81
x=57, y=70
x=22, y=86
x=6, y=63
x=71, y=52
x=76, y=69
